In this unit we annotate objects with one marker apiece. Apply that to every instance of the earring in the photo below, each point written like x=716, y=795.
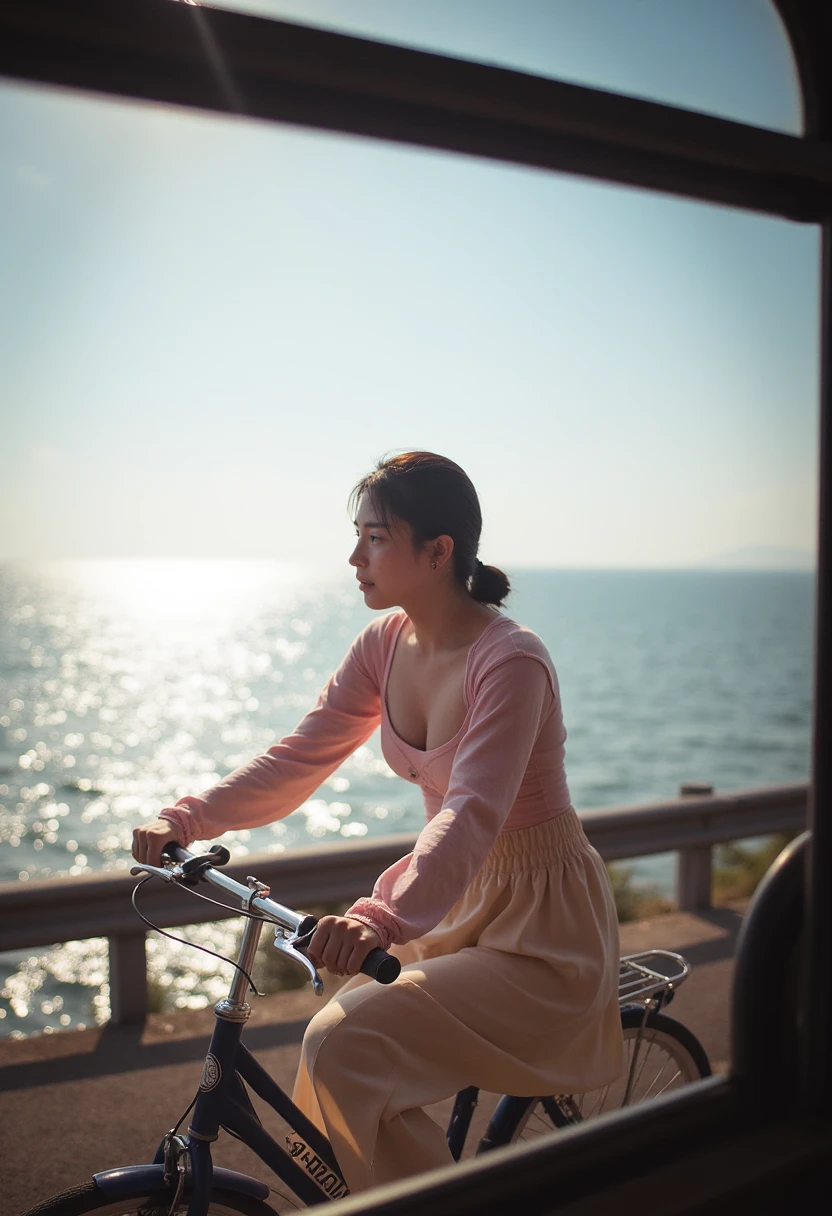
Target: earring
x=433, y=565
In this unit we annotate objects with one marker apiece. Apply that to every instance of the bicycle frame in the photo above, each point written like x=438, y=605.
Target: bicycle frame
x=460, y=1121
x=309, y=1167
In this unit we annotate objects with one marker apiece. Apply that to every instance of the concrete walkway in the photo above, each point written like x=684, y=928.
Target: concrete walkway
x=82, y=1100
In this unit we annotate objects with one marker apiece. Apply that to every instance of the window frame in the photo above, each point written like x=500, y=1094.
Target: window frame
x=231, y=63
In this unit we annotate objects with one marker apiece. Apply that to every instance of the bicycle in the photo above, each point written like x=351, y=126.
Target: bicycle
x=181, y=1179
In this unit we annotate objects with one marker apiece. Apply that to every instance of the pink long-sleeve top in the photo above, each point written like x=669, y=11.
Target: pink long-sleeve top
x=503, y=769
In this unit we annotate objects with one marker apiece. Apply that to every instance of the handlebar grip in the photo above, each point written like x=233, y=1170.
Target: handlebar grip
x=381, y=966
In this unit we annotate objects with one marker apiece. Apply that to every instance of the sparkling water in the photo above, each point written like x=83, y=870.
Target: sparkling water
x=125, y=684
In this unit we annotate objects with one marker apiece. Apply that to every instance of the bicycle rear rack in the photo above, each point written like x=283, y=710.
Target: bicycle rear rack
x=638, y=976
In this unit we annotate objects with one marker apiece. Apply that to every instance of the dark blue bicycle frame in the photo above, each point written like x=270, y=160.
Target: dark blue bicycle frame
x=223, y=1101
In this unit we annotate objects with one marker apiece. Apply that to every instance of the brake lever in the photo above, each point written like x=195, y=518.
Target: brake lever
x=288, y=946
x=166, y=873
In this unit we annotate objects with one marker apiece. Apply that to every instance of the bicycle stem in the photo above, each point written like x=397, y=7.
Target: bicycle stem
x=235, y=1007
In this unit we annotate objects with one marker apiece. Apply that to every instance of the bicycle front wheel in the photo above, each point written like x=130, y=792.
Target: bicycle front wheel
x=89, y=1198
x=662, y=1055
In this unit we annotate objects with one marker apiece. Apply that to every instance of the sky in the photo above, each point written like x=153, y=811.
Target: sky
x=211, y=327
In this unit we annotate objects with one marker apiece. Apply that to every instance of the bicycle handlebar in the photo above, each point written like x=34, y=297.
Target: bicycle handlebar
x=378, y=965
x=248, y=897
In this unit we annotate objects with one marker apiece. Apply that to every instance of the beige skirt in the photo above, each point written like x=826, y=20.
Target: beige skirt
x=515, y=991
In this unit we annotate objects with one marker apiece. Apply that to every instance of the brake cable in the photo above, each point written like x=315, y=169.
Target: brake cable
x=184, y=941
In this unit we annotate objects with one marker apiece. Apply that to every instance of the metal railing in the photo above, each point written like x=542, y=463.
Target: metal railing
x=46, y=912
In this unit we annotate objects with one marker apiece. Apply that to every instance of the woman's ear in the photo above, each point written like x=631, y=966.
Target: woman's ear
x=440, y=551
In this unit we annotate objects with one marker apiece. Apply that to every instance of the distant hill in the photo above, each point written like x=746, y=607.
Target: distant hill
x=760, y=557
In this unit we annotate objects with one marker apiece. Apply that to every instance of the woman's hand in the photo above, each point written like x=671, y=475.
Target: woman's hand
x=150, y=839
x=341, y=944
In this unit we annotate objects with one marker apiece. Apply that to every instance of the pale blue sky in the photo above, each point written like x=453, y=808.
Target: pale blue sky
x=211, y=327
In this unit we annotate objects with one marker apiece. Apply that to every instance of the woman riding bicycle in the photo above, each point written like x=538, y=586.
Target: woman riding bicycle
x=502, y=916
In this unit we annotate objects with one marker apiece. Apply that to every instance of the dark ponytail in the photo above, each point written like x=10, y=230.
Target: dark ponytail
x=488, y=584
x=435, y=498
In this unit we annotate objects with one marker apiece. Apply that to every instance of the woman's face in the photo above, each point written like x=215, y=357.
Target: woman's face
x=389, y=571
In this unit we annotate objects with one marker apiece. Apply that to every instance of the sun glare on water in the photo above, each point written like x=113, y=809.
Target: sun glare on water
x=169, y=592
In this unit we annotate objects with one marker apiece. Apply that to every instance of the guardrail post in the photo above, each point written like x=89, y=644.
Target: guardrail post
x=128, y=978
x=694, y=864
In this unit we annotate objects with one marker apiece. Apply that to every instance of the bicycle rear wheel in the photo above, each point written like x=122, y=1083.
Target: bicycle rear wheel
x=89, y=1198
x=662, y=1055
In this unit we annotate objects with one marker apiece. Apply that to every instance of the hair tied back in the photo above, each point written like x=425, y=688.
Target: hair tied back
x=488, y=584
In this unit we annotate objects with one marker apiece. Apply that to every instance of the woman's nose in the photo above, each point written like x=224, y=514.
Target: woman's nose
x=355, y=558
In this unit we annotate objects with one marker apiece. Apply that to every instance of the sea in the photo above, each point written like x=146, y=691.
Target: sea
x=125, y=684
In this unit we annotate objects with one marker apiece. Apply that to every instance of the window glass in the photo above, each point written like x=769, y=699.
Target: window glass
x=729, y=58
x=212, y=328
